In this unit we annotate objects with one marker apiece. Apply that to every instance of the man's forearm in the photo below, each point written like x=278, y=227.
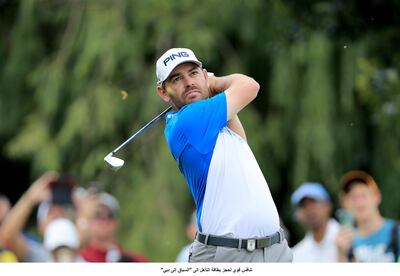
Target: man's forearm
x=16, y=219
x=240, y=90
x=14, y=223
x=218, y=84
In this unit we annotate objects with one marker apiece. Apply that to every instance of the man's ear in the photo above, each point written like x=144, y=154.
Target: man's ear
x=299, y=216
x=378, y=197
x=205, y=73
x=162, y=92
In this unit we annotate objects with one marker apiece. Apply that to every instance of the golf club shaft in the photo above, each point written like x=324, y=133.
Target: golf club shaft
x=142, y=129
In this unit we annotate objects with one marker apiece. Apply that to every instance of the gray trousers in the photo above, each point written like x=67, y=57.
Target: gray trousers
x=279, y=252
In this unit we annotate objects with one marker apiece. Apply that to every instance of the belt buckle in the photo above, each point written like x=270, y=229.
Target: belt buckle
x=251, y=245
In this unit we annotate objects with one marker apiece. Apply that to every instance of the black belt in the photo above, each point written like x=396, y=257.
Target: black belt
x=249, y=244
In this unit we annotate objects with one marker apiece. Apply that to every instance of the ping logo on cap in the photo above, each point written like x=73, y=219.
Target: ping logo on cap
x=173, y=56
x=171, y=59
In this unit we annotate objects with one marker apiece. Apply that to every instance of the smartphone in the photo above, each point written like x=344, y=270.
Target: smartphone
x=345, y=217
x=61, y=190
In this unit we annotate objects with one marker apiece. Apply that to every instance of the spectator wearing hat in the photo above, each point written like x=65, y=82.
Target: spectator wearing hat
x=25, y=246
x=313, y=210
x=372, y=238
x=61, y=238
x=101, y=226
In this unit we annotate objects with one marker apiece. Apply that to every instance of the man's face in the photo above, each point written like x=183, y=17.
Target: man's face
x=362, y=201
x=186, y=84
x=314, y=213
x=103, y=224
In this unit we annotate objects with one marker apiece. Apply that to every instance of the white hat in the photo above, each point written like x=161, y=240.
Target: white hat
x=109, y=201
x=172, y=58
x=61, y=232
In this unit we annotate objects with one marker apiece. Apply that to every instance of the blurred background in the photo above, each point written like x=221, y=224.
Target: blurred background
x=77, y=78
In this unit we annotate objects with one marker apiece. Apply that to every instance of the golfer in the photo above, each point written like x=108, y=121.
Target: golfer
x=236, y=215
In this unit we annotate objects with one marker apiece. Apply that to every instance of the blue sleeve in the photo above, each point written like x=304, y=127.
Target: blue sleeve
x=201, y=122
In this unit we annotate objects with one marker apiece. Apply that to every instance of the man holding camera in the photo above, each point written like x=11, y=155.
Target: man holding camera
x=371, y=237
x=26, y=247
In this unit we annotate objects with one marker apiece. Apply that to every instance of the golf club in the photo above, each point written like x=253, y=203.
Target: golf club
x=116, y=163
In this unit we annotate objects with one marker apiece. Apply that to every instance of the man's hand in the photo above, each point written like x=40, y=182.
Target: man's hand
x=240, y=91
x=87, y=206
x=213, y=85
x=344, y=239
x=40, y=190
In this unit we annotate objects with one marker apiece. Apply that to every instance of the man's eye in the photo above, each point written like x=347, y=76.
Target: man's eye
x=175, y=79
x=193, y=73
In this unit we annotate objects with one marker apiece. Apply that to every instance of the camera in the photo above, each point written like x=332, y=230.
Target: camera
x=345, y=217
x=61, y=190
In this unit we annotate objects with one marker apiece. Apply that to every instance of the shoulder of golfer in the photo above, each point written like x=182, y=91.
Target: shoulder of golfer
x=239, y=89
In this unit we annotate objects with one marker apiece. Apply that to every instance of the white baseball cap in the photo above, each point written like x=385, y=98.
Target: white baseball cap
x=110, y=202
x=172, y=58
x=61, y=232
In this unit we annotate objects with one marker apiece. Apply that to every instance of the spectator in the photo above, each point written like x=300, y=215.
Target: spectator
x=5, y=207
x=60, y=203
x=191, y=230
x=102, y=225
x=61, y=238
x=313, y=210
x=372, y=238
x=25, y=246
x=5, y=254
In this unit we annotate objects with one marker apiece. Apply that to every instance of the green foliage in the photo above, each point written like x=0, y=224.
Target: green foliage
x=329, y=98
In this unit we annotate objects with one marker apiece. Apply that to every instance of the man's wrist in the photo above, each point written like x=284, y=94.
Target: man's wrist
x=29, y=200
x=213, y=85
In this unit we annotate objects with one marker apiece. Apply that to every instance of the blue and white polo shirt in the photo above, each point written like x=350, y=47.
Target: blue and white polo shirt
x=227, y=185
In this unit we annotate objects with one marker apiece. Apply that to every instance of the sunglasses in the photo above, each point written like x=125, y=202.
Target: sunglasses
x=104, y=216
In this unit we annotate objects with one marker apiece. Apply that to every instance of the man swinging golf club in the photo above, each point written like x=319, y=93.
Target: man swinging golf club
x=236, y=215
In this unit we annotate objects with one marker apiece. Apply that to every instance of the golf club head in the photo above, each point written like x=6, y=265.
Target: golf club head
x=114, y=162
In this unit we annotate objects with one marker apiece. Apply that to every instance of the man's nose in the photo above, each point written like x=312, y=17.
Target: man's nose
x=187, y=80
